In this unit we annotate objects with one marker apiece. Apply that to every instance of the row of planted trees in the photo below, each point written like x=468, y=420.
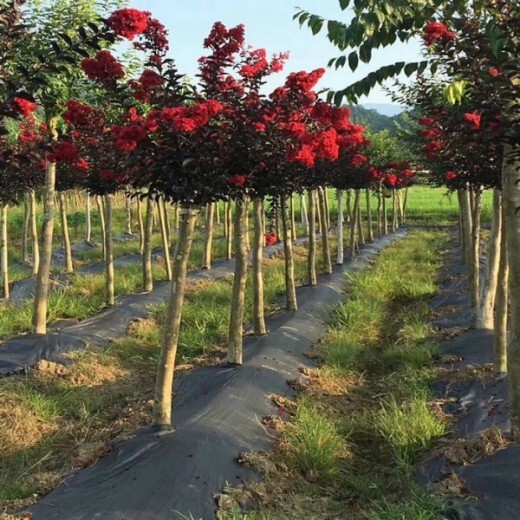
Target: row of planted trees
x=156, y=137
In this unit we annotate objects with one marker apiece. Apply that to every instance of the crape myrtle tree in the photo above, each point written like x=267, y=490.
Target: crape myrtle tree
x=478, y=41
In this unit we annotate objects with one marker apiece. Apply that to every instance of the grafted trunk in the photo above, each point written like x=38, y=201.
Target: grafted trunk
x=325, y=243
x=41, y=294
x=311, y=259
x=304, y=215
x=339, y=258
x=166, y=367
x=208, y=236
x=141, y=225
x=475, y=248
x=165, y=239
x=489, y=286
x=501, y=300
x=34, y=234
x=109, y=251
x=4, y=250
x=370, y=237
x=69, y=267
x=88, y=219
x=290, y=286
x=236, y=321
x=354, y=226
x=147, y=249
x=229, y=231
x=25, y=228
x=101, y=211
x=258, y=278
x=511, y=201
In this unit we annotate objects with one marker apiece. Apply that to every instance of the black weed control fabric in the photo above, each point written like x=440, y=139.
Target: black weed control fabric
x=477, y=405
x=218, y=414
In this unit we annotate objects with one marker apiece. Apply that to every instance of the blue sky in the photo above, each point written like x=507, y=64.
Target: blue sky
x=269, y=24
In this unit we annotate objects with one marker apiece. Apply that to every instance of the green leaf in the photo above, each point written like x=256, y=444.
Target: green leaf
x=344, y=4
x=353, y=61
x=365, y=53
x=410, y=68
x=340, y=62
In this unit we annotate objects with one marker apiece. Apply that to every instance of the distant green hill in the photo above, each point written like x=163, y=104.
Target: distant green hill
x=374, y=120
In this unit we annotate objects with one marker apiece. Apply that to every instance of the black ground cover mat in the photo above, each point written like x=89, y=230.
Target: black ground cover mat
x=477, y=401
x=218, y=414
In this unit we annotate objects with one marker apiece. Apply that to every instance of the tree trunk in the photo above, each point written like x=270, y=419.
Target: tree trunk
x=109, y=252
x=236, y=321
x=405, y=204
x=141, y=225
x=395, y=211
x=25, y=229
x=167, y=225
x=370, y=237
x=4, y=257
x=379, y=212
x=361, y=232
x=487, y=297
x=88, y=219
x=258, y=279
x=475, y=244
x=339, y=258
x=41, y=294
x=354, y=225
x=326, y=206
x=147, y=249
x=166, y=367
x=385, y=216
x=290, y=286
x=208, y=236
x=128, y=213
x=293, y=219
x=229, y=235
x=349, y=205
x=327, y=261
x=165, y=239
x=69, y=267
x=311, y=259
x=511, y=201
x=467, y=226
x=319, y=212
x=34, y=234
x=304, y=215
x=101, y=211
x=501, y=300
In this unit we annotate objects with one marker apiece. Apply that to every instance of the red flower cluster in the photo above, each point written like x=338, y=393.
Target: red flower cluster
x=473, y=120
x=155, y=38
x=128, y=22
x=304, y=81
x=24, y=106
x=64, y=152
x=190, y=119
x=256, y=64
x=150, y=79
x=128, y=137
x=437, y=32
x=238, y=180
x=103, y=68
x=450, y=176
x=78, y=114
x=271, y=239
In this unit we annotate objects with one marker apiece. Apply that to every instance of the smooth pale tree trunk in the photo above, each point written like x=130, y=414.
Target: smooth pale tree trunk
x=229, y=230
x=128, y=213
x=4, y=249
x=34, y=234
x=511, y=201
x=248, y=242
x=208, y=236
x=109, y=251
x=405, y=204
x=140, y=222
x=475, y=248
x=370, y=237
x=379, y=214
x=467, y=226
x=165, y=239
x=217, y=213
x=319, y=212
x=276, y=215
x=304, y=215
x=327, y=260
x=88, y=219
x=69, y=267
x=290, y=285
x=293, y=218
x=101, y=211
x=311, y=259
x=489, y=286
x=41, y=293
x=167, y=226
x=225, y=219
x=258, y=278
x=354, y=226
x=25, y=229
x=501, y=307
x=395, y=211
x=326, y=206
x=147, y=249
x=236, y=321
x=385, y=216
x=166, y=368
x=349, y=205
x=339, y=258
x=361, y=232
